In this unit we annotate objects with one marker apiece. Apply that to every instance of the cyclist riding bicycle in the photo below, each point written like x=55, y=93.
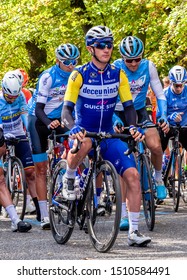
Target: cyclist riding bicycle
x=45, y=114
x=13, y=116
x=176, y=97
x=141, y=74
x=12, y=105
x=92, y=90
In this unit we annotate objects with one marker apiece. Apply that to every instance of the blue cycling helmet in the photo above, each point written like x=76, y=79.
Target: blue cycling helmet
x=67, y=51
x=131, y=47
x=177, y=74
x=98, y=34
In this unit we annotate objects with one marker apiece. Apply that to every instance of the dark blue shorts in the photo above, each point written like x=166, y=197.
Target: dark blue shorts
x=23, y=152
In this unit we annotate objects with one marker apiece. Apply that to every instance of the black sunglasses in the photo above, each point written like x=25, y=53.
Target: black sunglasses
x=103, y=45
x=128, y=60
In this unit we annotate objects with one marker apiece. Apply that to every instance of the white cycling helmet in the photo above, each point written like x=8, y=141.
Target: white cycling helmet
x=98, y=33
x=11, y=84
x=177, y=74
x=17, y=73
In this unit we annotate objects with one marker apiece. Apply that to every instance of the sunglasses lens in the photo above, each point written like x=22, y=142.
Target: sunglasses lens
x=178, y=85
x=69, y=62
x=10, y=97
x=103, y=45
x=134, y=59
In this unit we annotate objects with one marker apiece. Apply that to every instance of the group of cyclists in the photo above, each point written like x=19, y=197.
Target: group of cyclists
x=94, y=97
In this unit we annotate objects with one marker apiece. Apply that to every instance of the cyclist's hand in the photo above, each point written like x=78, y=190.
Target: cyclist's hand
x=77, y=132
x=163, y=123
x=9, y=135
x=54, y=124
x=2, y=139
x=176, y=117
x=137, y=134
x=118, y=126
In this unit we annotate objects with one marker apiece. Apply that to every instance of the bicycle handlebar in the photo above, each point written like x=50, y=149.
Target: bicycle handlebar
x=103, y=135
x=14, y=140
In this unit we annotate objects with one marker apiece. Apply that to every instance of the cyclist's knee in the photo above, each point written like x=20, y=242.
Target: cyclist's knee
x=30, y=173
x=131, y=176
x=41, y=168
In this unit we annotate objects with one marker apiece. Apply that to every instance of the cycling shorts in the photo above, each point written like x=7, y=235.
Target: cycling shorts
x=41, y=145
x=142, y=115
x=23, y=152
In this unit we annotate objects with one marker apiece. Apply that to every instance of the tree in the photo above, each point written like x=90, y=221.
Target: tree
x=32, y=29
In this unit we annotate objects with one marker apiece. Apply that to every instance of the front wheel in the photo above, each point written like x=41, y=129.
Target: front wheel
x=103, y=216
x=16, y=183
x=61, y=211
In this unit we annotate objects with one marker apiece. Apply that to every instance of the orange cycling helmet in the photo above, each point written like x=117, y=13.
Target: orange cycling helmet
x=25, y=77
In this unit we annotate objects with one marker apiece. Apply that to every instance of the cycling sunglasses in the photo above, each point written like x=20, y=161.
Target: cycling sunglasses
x=103, y=45
x=130, y=60
x=69, y=62
x=178, y=85
x=10, y=96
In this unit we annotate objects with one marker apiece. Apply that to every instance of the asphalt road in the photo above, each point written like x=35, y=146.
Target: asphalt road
x=168, y=241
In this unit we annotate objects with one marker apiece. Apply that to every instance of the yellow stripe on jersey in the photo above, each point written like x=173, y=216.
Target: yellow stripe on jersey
x=124, y=88
x=73, y=87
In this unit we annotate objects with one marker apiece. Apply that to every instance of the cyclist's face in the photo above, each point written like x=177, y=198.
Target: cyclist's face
x=102, y=50
x=177, y=88
x=10, y=99
x=132, y=64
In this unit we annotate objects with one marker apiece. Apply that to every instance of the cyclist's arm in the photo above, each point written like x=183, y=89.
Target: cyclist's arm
x=70, y=98
x=126, y=99
x=45, y=83
x=39, y=111
x=24, y=118
x=156, y=86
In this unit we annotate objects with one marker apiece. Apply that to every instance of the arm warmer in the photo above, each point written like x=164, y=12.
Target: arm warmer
x=130, y=115
x=67, y=118
x=24, y=118
x=39, y=111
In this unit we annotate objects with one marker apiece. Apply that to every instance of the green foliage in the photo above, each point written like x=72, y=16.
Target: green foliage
x=161, y=24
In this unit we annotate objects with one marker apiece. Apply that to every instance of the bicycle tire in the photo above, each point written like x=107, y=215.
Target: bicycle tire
x=148, y=196
x=103, y=229
x=176, y=181
x=61, y=219
x=16, y=183
x=171, y=179
x=183, y=188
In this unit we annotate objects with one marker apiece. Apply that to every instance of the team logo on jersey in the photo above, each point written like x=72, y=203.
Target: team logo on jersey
x=137, y=85
x=74, y=75
x=93, y=74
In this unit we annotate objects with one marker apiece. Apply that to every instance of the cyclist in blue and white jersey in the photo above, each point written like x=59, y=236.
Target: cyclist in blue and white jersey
x=92, y=90
x=141, y=74
x=176, y=97
x=45, y=114
x=12, y=115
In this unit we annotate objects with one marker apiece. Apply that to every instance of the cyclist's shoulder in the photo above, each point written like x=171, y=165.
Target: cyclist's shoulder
x=118, y=62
